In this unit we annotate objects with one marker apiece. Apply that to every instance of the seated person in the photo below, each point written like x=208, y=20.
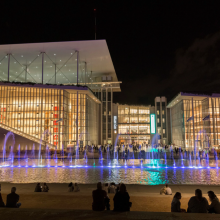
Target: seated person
x=2, y=204
x=37, y=188
x=45, y=188
x=197, y=203
x=12, y=199
x=214, y=207
x=175, y=205
x=100, y=199
x=163, y=191
x=168, y=190
x=106, y=187
x=112, y=188
x=121, y=200
x=76, y=188
x=70, y=187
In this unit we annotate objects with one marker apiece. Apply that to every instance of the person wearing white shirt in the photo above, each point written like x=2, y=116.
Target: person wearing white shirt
x=168, y=190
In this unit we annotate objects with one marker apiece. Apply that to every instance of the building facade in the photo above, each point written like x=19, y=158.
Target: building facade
x=52, y=115
x=58, y=93
x=195, y=120
x=141, y=124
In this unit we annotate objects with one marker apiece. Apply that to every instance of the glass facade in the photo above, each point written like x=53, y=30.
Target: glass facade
x=206, y=132
x=49, y=114
x=133, y=124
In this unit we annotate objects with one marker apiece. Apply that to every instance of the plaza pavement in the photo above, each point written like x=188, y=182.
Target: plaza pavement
x=144, y=198
x=51, y=214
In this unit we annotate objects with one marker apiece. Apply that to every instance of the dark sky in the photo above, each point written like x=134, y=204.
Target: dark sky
x=158, y=48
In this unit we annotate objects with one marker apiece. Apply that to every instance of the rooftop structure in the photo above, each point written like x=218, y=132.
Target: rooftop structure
x=73, y=62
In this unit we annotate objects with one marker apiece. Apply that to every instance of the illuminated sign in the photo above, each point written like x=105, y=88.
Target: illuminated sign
x=115, y=122
x=152, y=124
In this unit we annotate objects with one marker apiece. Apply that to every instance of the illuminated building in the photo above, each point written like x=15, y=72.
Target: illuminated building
x=56, y=92
x=140, y=124
x=195, y=120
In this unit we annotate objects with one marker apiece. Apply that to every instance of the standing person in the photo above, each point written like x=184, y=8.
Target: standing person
x=45, y=188
x=12, y=199
x=197, y=203
x=100, y=199
x=175, y=205
x=214, y=207
x=70, y=187
x=121, y=200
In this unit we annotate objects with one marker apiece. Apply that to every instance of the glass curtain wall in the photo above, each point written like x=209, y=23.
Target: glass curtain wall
x=48, y=115
x=133, y=124
x=207, y=132
x=178, y=125
x=57, y=68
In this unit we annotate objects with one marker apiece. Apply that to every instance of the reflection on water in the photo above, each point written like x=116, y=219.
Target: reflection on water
x=91, y=171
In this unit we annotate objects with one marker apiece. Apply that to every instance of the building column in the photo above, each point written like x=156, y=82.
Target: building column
x=25, y=73
x=59, y=133
x=193, y=127
x=106, y=118
x=55, y=73
x=8, y=65
x=77, y=111
x=43, y=68
x=101, y=116
x=85, y=72
x=213, y=119
x=77, y=78
x=41, y=113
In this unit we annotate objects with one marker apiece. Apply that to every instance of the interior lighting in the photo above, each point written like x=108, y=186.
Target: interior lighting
x=54, y=54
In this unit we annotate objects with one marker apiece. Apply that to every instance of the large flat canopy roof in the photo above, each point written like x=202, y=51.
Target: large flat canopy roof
x=196, y=96
x=26, y=62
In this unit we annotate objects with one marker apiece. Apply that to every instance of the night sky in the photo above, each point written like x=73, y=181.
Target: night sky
x=158, y=48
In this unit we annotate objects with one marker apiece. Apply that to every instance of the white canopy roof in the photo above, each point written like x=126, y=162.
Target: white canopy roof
x=60, y=57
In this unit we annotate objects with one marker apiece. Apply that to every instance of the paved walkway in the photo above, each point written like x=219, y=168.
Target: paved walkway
x=36, y=214
x=144, y=198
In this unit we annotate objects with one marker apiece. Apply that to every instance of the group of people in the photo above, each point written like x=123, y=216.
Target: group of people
x=101, y=200
x=129, y=150
x=40, y=188
x=73, y=187
x=12, y=200
x=197, y=203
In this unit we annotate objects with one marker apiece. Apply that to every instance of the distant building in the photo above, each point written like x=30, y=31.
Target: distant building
x=195, y=120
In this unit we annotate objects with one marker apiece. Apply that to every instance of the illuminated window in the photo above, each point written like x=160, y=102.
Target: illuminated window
x=164, y=131
x=163, y=120
x=158, y=112
x=163, y=112
x=158, y=120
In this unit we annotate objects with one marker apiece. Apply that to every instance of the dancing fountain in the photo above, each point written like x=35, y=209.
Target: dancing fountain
x=151, y=157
